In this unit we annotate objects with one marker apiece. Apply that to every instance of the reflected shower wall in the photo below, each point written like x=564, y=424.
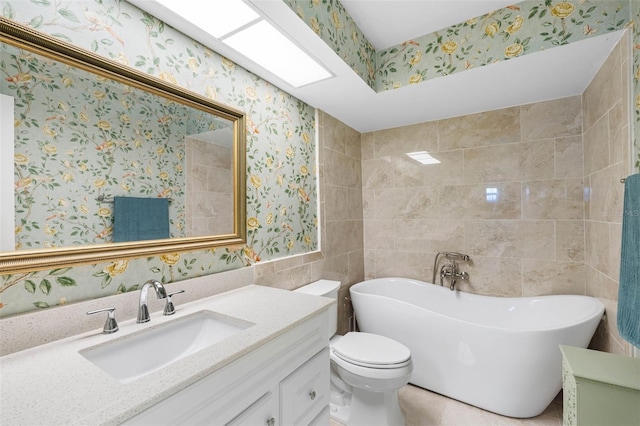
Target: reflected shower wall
x=209, y=181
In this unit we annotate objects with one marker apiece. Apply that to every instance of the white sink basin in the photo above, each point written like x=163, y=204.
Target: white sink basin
x=139, y=354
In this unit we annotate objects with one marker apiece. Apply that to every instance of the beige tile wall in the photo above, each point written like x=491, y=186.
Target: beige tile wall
x=208, y=188
x=607, y=136
x=553, y=227
x=508, y=191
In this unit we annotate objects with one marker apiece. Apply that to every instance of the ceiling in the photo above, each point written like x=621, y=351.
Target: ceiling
x=553, y=73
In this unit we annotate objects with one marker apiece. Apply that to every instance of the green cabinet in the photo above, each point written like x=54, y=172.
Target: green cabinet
x=600, y=388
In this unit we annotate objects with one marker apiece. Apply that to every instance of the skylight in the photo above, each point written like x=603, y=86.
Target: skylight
x=216, y=18
x=240, y=27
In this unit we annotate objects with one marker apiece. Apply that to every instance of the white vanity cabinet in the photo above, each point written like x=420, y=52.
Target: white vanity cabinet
x=282, y=382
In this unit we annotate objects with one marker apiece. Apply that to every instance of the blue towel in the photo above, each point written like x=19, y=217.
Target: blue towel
x=629, y=288
x=136, y=219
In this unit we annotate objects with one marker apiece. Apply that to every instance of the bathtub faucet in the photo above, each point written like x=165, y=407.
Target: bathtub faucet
x=450, y=270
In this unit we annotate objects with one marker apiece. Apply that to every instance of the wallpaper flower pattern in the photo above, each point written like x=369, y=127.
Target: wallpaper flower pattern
x=281, y=152
x=526, y=27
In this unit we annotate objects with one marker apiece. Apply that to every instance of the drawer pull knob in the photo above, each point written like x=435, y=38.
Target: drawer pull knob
x=271, y=422
x=312, y=395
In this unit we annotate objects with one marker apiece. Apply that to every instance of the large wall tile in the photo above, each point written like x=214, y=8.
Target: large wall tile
x=492, y=276
x=336, y=203
x=410, y=173
x=570, y=240
x=429, y=235
x=354, y=203
x=519, y=161
x=553, y=199
x=342, y=170
x=507, y=238
x=417, y=137
x=367, y=149
x=618, y=134
x=352, y=143
x=598, y=248
x=606, y=194
x=480, y=201
x=343, y=236
x=407, y=264
x=377, y=173
x=482, y=129
x=540, y=277
x=379, y=234
x=334, y=134
x=596, y=146
x=599, y=285
x=569, y=157
x=406, y=203
x=552, y=119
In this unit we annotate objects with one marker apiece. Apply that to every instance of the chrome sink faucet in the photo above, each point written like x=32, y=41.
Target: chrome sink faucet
x=450, y=270
x=143, y=309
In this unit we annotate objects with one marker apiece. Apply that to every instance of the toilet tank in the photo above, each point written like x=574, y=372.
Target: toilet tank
x=325, y=288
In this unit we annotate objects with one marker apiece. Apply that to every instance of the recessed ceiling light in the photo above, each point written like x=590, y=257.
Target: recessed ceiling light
x=272, y=50
x=423, y=157
x=215, y=17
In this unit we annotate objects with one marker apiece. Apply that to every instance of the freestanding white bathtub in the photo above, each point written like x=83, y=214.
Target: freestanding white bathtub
x=497, y=353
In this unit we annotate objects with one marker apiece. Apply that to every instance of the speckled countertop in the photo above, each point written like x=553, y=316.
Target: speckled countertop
x=53, y=384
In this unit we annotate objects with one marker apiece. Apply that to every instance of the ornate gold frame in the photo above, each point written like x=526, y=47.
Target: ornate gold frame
x=31, y=260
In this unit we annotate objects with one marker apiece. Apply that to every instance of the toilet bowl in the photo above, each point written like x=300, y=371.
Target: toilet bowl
x=366, y=371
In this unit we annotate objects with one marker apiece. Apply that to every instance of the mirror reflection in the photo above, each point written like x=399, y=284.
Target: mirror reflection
x=81, y=139
x=102, y=154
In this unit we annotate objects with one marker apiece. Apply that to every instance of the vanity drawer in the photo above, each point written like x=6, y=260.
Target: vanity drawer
x=305, y=392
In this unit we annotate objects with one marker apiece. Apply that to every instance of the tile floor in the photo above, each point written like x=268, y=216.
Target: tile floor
x=423, y=408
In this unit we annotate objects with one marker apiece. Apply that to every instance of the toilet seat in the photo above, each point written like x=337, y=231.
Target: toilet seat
x=371, y=351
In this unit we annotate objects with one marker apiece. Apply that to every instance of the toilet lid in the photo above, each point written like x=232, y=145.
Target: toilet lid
x=371, y=350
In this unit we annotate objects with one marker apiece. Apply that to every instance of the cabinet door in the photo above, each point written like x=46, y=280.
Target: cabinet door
x=263, y=412
x=305, y=392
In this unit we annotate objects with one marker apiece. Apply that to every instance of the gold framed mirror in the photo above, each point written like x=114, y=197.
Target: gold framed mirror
x=98, y=149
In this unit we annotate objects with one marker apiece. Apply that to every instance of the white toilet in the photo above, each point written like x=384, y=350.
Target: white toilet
x=366, y=370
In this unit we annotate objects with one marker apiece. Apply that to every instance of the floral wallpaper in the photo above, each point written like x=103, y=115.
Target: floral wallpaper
x=523, y=28
x=281, y=151
x=330, y=20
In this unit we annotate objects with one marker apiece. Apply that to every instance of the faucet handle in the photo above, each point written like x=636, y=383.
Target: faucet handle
x=169, y=309
x=110, y=326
